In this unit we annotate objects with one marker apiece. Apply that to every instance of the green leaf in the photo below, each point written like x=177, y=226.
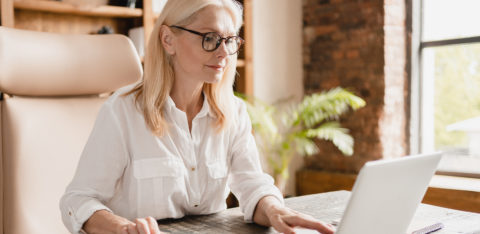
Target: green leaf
x=332, y=131
x=329, y=105
x=305, y=146
x=286, y=127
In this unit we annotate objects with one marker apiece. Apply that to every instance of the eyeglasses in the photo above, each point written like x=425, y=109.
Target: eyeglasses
x=212, y=40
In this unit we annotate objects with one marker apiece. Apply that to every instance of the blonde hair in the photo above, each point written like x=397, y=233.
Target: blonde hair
x=152, y=92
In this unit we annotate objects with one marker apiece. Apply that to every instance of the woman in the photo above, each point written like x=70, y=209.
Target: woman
x=167, y=147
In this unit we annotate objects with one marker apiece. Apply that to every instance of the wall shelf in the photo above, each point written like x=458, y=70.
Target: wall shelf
x=65, y=8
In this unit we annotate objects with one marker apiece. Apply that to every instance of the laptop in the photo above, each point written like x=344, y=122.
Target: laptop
x=386, y=194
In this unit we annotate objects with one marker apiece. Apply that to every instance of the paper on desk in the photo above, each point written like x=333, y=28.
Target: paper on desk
x=454, y=221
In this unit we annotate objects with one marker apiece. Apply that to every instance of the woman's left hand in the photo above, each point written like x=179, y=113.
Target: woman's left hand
x=269, y=212
x=284, y=219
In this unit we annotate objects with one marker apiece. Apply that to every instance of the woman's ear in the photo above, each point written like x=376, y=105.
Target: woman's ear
x=168, y=39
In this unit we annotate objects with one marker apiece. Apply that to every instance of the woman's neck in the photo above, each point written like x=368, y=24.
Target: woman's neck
x=188, y=98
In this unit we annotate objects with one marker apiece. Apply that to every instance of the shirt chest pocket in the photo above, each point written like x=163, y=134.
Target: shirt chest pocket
x=159, y=182
x=217, y=170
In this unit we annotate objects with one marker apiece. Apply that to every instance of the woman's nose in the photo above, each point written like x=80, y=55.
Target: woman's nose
x=222, y=50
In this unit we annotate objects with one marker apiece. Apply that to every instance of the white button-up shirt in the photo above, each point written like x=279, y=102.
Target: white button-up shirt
x=127, y=170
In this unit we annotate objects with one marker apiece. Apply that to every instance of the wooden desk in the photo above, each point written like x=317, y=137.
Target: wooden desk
x=324, y=206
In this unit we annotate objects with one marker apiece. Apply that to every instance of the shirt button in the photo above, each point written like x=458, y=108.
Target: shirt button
x=193, y=168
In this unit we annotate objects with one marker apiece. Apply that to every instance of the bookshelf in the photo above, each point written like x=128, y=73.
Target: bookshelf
x=63, y=8
x=62, y=17
x=244, y=83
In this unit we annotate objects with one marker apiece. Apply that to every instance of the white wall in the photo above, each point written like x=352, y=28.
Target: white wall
x=277, y=56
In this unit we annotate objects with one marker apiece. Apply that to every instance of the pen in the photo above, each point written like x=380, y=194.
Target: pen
x=429, y=229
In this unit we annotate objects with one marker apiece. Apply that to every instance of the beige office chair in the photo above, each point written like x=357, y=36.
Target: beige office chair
x=52, y=86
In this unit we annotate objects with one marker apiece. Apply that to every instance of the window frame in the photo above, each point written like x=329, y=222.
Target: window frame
x=415, y=24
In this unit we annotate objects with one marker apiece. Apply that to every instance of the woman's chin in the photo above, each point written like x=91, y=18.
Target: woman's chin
x=214, y=79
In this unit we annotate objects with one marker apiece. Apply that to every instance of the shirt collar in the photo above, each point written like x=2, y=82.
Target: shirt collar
x=170, y=107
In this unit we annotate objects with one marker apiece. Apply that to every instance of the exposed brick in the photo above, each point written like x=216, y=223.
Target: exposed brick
x=337, y=55
x=351, y=54
x=359, y=45
x=319, y=30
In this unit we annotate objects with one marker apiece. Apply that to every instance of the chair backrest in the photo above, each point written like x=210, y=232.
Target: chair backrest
x=53, y=86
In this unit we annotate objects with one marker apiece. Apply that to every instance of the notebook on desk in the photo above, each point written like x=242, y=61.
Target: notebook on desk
x=386, y=195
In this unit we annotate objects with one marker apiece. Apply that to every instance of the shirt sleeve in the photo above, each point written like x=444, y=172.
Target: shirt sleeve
x=101, y=165
x=247, y=180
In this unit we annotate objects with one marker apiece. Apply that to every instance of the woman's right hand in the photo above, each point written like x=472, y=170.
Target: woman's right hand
x=141, y=226
x=103, y=221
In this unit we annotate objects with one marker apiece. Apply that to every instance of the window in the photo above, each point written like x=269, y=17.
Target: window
x=446, y=90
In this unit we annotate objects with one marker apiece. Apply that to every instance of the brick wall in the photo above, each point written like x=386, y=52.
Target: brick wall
x=359, y=45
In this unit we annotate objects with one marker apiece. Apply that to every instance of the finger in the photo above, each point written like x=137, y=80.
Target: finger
x=308, y=222
x=142, y=226
x=132, y=229
x=124, y=230
x=152, y=224
x=279, y=225
x=325, y=228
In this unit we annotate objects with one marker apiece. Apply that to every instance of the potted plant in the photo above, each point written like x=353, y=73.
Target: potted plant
x=287, y=128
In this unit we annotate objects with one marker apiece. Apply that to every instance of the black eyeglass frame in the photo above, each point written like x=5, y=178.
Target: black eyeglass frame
x=219, y=42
